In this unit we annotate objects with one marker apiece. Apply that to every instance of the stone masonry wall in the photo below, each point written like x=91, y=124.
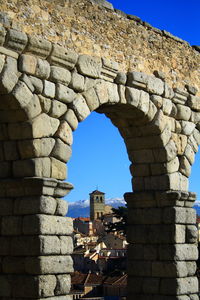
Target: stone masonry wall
x=45, y=91
x=95, y=30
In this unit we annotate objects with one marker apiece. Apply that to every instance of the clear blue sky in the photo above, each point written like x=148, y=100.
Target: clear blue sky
x=99, y=158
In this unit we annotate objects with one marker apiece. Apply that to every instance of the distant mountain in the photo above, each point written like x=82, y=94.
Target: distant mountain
x=81, y=208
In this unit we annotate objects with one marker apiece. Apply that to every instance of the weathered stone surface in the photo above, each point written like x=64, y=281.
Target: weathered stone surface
x=36, y=148
x=47, y=225
x=195, y=117
x=45, y=103
x=183, y=112
x=89, y=66
x=42, y=69
x=80, y=107
x=137, y=79
x=187, y=127
x=58, y=169
x=91, y=99
x=144, y=102
x=169, y=167
x=194, y=102
x=113, y=95
x=169, y=269
x=196, y=135
x=28, y=82
x=38, y=46
x=167, y=106
x=33, y=109
x=64, y=94
x=60, y=75
x=61, y=151
x=62, y=207
x=179, y=286
x=180, y=141
x=185, y=167
x=71, y=119
x=64, y=132
x=2, y=35
x=27, y=64
x=133, y=96
x=22, y=95
x=49, y=264
x=37, y=83
x=109, y=69
x=121, y=92
x=39, y=167
x=102, y=92
x=9, y=76
x=157, y=100
x=155, y=85
x=2, y=62
x=191, y=234
x=188, y=252
x=77, y=82
x=40, y=130
x=121, y=78
x=35, y=205
x=63, y=284
x=57, y=109
x=49, y=89
x=167, y=154
x=16, y=40
x=60, y=57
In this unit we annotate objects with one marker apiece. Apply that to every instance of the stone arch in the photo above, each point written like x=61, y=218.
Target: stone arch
x=46, y=91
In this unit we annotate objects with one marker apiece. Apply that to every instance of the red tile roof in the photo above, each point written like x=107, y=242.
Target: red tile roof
x=94, y=279
x=98, y=279
x=78, y=278
x=96, y=192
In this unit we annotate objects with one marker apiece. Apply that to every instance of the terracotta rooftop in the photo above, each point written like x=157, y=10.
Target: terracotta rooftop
x=96, y=192
x=78, y=278
x=83, y=219
x=98, y=279
x=94, y=279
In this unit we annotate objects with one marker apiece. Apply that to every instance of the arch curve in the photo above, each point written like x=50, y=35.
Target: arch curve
x=44, y=95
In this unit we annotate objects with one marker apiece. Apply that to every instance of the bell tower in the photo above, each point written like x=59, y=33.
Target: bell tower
x=97, y=205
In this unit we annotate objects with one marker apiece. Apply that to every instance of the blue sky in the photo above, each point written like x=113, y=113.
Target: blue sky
x=99, y=158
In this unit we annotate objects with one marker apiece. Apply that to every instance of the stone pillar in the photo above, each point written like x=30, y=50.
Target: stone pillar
x=35, y=242
x=162, y=251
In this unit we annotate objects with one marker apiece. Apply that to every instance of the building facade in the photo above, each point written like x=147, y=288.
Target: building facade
x=97, y=205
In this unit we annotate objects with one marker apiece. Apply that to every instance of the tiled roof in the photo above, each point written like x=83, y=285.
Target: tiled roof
x=98, y=279
x=96, y=192
x=83, y=219
x=78, y=278
x=94, y=279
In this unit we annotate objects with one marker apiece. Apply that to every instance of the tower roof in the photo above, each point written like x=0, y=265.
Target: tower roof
x=96, y=192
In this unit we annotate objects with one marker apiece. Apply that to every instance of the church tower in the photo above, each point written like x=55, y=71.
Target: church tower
x=97, y=205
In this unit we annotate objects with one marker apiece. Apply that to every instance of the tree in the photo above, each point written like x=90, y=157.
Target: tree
x=121, y=214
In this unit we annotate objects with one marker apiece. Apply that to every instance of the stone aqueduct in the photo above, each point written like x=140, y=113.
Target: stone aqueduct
x=46, y=90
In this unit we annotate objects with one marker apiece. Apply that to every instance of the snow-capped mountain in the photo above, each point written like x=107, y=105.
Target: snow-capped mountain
x=81, y=208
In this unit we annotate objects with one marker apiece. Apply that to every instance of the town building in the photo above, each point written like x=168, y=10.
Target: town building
x=97, y=205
